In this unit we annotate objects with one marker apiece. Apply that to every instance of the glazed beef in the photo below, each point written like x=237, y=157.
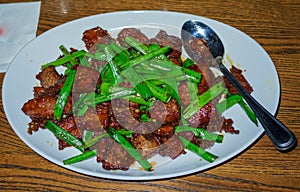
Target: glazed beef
x=48, y=77
x=85, y=80
x=69, y=125
x=94, y=36
x=164, y=39
x=165, y=112
x=172, y=148
x=133, y=32
x=237, y=73
x=113, y=156
x=146, y=146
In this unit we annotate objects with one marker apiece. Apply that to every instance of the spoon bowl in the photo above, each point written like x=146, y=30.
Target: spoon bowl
x=282, y=138
x=201, y=31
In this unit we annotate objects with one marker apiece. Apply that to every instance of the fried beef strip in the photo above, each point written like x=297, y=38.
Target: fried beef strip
x=113, y=156
x=133, y=32
x=48, y=77
x=69, y=125
x=165, y=112
x=96, y=35
x=164, y=39
x=237, y=73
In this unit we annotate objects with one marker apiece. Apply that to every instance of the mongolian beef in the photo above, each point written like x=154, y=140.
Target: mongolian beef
x=132, y=97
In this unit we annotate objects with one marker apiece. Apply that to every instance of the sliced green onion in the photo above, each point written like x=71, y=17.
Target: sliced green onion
x=197, y=150
x=230, y=101
x=64, y=95
x=203, y=99
x=200, y=133
x=81, y=157
x=64, y=59
x=64, y=135
x=129, y=148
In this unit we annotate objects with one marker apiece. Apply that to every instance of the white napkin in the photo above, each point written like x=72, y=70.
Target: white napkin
x=18, y=25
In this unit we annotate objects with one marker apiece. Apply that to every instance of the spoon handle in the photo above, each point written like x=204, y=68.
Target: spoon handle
x=283, y=139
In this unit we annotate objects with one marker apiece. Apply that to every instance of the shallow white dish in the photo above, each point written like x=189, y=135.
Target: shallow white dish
x=244, y=51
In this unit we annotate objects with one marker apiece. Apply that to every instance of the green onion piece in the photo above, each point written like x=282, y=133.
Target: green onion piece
x=171, y=87
x=64, y=95
x=158, y=92
x=197, y=150
x=94, y=140
x=166, y=66
x=108, y=88
x=64, y=59
x=193, y=90
x=87, y=135
x=249, y=112
x=129, y=148
x=137, y=45
x=203, y=99
x=99, y=56
x=200, y=133
x=64, y=135
x=137, y=82
x=187, y=63
x=192, y=75
x=138, y=100
x=103, y=98
x=122, y=51
x=230, y=101
x=145, y=118
x=66, y=53
x=81, y=157
x=144, y=58
x=109, y=56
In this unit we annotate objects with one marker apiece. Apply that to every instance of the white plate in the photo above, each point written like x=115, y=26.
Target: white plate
x=244, y=51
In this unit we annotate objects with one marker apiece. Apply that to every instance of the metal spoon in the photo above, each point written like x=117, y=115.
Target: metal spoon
x=283, y=139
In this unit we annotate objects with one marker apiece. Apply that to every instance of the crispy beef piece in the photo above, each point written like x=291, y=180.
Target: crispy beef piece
x=133, y=32
x=38, y=91
x=52, y=91
x=237, y=73
x=197, y=49
x=126, y=113
x=207, y=78
x=207, y=117
x=43, y=108
x=202, y=117
x=145, y=127
x=146, y=146
x=165, y=112
x=184, y=95
x=228, y=128
x=85, y=80
x=113, y=156
x=69, y=125
x=204, y=144
x=33, y=126
x=48, y=77
x=171, y=147
x=163, y=39
x=94, y=36
x=95, y=119
x=166, y=131
x=39, y=108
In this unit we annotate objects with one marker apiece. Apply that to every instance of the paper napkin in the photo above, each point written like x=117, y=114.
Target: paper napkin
x=18, y=25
